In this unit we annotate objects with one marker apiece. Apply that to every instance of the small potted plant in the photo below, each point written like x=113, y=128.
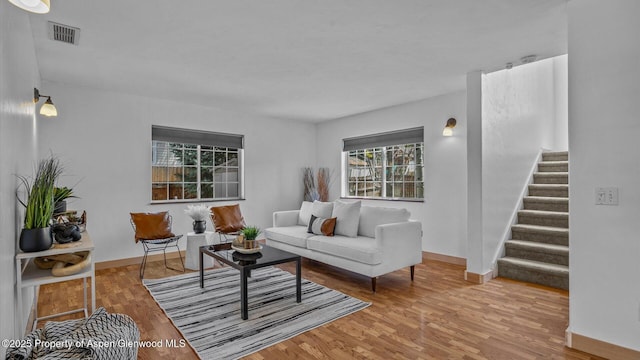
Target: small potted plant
x=250, y=234
x=199, y=214
x=39, y=190
x=60, y=195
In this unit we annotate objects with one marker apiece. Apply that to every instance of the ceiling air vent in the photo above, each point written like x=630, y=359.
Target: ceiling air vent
x=65, y=33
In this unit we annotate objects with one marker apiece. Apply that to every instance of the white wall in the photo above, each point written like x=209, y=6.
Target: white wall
x=475, y=244
x=104, y=139
x=604, y=128
x=518, y=119
x=18, y=132
x=561, y=92
x=443, y=213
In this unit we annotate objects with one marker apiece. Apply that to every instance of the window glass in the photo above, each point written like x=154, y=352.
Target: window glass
x=194, y=172
x=385, y=172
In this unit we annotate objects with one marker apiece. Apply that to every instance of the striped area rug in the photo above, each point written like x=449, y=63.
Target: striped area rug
x=209, y=318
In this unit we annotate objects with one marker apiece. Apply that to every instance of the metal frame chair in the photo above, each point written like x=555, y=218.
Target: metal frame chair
x=152, y=245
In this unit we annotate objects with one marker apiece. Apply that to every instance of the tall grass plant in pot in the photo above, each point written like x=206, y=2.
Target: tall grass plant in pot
x=39, y=205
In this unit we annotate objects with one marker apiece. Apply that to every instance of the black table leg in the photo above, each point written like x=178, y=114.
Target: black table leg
x=298, y=281
x=243, y=295
x=201, y=270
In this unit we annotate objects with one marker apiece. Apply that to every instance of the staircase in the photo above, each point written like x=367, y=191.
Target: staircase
x=538, y=251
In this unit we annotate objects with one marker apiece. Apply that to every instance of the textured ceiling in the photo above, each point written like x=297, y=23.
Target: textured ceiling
x=310, y=60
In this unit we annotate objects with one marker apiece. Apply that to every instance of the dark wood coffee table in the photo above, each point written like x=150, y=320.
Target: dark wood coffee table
x=246, y=262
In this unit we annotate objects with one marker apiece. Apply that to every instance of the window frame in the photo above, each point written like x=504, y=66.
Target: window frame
x=206, y=142
x=383, y=143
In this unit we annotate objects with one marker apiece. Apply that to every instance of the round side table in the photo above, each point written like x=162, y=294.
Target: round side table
x=194, y=241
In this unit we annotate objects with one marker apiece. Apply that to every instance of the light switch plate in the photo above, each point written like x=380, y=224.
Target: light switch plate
x=607, y=196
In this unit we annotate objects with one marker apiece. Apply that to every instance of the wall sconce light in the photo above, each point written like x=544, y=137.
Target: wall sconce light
x=448, y=129
x=34, y=6
x=48, y=109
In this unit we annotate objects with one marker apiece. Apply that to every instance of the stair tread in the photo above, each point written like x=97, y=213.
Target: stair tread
x=547, y=199
x=540, y=228
x=551, y=173
x=555, y=153
x=550, y=186
x=533, y=245
x=554, y=162
x=544, y=213
x=536, y=265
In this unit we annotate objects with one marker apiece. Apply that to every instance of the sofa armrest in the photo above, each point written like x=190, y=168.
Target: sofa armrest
x=401, y=240
x=285, y=218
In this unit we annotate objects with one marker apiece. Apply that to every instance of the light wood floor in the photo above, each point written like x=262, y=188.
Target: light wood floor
x=438, y=316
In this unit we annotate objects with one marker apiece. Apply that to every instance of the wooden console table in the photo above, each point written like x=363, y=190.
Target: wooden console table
x=28, y=274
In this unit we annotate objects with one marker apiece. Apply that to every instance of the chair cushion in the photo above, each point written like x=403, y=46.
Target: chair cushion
x=361, y=249
x=150, y=226
x=348, y=217
x=292, y=235
x=372, y=216
x=305, y=213
x=321, y=226
x=227, y=219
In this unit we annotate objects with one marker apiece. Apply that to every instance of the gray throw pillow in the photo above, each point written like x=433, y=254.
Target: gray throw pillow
x=305, y=213
x=347, y=216
x=322, y=209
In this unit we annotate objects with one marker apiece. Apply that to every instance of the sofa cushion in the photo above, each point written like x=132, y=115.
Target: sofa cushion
x=372, y=216
x=292, y=235
x=305, y=213
x=321, y=226
x=347, y=216
x=361, y=249
x=321, y=209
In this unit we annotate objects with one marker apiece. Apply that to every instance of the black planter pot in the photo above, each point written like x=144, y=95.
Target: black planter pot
x=199, y=226
x=32, y=240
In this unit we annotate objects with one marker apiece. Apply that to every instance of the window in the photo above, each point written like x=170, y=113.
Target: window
x=385, y=166
x=195, y=165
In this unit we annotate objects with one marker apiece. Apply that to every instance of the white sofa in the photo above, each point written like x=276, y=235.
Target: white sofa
x=386, y=240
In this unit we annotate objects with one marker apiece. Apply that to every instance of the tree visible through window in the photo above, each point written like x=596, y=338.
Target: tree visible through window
x=188, y=171
x=392, y=171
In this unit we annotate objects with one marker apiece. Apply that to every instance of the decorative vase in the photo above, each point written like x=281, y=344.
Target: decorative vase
x=199, y=226
x=32, y=240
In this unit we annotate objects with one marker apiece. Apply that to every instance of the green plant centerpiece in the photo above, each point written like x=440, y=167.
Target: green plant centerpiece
x=39, y=205
x=250, y=232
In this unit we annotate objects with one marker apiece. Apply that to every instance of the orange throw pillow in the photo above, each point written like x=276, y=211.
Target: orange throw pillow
x=151, y=226
x=227, y=219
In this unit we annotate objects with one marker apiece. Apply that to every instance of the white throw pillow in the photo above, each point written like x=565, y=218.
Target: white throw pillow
x=372, y=216
x=347, y=216
x=305, y=213
x=321, y=210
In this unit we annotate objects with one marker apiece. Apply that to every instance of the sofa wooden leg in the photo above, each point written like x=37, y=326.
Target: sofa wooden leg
x=413, y=270
x=373, y=284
